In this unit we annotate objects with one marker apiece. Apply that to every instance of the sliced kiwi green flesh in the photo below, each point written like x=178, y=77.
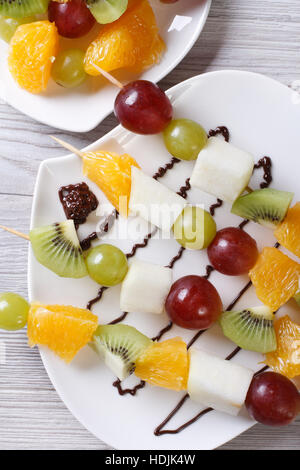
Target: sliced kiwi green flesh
x=267, y=206
x=22, y=8
x=250, y=329
x=107, y=11
x=120, y=346
x=57, y=248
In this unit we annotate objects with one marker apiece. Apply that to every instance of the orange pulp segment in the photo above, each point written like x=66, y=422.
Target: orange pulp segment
x=286, y=358
x=164, y=364
x=288, y=232
x=275, y=277
x=64, y=329
x=112, y=173
x=132, y=41
x=31, y=54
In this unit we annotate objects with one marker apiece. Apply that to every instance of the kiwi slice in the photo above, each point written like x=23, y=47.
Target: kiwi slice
x=120, y=346
x=267, y=206
x=22, y=8
x=57, y=248
x=107, y=11
x=250, y=329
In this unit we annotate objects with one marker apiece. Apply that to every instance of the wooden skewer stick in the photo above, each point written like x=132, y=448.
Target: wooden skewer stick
x=248, y=189
x=15, y=232
x=68, y=146
x=108, y=76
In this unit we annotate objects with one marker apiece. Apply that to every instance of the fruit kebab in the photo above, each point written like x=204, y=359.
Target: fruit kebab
x=209, y=380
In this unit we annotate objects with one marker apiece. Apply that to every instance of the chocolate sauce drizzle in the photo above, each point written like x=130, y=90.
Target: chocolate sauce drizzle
x=243, y=224
x=176, y=257
x=213, y=207
x=163, y=169
x=266, y=164
x=209, y=270
x=143, y=244
x=184, y=189
x=97, y=298
x=119, y=319
x=125, y=391
x=222, y=130
x=104, y=228
x=162, y=331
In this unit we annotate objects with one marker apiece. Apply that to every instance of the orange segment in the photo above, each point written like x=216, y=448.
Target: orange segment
x=130, y=42
x=164, y=364
x=112, y=173
x=286, y=358
x=32, y=51
x=288, y=232
x=63, y=329
x=275, y=277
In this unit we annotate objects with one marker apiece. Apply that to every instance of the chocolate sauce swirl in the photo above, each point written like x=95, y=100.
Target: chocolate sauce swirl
x=97, y=298
x=209, y=270
x=266, y=164
x=163, y=169
x=162, y=331
x=213, y=207
x=176, y=257
x=222, y=130
x=143, y=244
x=104, y=228
x=128, y=391
x=119, y=319
x=184, y=189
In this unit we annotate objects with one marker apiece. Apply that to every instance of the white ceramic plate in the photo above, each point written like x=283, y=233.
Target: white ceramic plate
x=82, y=109
x=262, y=119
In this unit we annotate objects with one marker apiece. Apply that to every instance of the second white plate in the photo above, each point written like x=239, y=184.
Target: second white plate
x=82, y=109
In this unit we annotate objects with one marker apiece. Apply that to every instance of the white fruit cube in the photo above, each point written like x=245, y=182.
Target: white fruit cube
x=217, y=383
x=145, y=288
x=153, y=201
x=222, y=170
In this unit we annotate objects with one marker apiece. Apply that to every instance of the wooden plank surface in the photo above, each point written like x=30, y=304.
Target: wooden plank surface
x=257, y=35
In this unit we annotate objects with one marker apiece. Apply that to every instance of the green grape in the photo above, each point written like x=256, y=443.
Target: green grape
x=68, y=70
x=13, y=311
x=107, y=265
x=194, y=228
x=8, y=26
x=184, y=139
x=107, y=11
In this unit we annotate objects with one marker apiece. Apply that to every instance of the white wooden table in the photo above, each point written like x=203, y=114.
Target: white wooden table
x=256, y=35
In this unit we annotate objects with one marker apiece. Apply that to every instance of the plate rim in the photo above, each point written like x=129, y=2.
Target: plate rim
x=43, y=354
x=94, y=123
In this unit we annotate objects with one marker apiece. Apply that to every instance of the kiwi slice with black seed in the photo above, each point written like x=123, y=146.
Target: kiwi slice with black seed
x=22, y=8
x=267, y=206
x=120, y=346
x=57, y=248
x=251, y=329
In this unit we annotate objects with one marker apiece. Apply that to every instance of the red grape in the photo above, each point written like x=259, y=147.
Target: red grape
x=142, y=107
x=193, y=303
x=232, y=251
x=273, y=399
x=72, y=19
